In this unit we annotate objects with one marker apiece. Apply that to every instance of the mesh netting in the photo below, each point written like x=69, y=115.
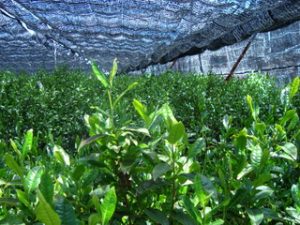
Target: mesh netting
x=44, y=33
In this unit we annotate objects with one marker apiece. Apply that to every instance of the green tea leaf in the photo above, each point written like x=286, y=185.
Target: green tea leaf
x=66, y=212
x=270, y=214
x=256, y=216
x=209, y=187
x=191, y=210
x=130, y=87
x=15, y=148
x=295, y=190
x=47, y=187
x=61, y=156
x=253, y=109
x=246, y=170
x=44, y=212
x=250, y=103
x=293, y=123
x=183, y=218
x=256, y=155
x=263, y=192
x=240, y=140
x=141, y=110
x=160, y=169
x=22, y=196
x=284, y=97
x=260, y=128
x=217, y=222
x=108, y=206
x=197, y=148
x=227, y=121
x=294, y=87
x=292, y=116
x=202, y=195
x=100, y=76
x=113, y=72
x=294, y=213
x=94, y=219
x=27, y=146
x=33, y=178
x=262, y=178
x=176, y=132
x=90, y=140
x=13, y=165
x=78, y=172
x=143, y=131
x=96, y=203
x=290, y=152
x=168, y=116
x=157, y=216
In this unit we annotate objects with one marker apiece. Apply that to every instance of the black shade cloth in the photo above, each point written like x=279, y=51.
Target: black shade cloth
x=44, y=33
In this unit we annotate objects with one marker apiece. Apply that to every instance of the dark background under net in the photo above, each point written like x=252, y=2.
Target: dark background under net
x=45, y=33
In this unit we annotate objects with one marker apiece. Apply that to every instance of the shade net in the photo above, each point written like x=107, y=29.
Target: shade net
x=45, y=33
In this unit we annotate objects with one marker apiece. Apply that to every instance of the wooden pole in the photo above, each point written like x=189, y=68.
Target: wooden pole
x=173, y=63
x=240, y=57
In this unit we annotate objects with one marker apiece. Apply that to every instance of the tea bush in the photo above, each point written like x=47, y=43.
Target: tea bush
x=242, y=166
x=53, y=105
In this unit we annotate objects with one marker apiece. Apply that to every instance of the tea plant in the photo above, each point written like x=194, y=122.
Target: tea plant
x=147, y=169
x=53, y=104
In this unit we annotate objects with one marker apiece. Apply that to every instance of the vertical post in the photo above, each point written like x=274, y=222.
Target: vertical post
x=173, y=63
x=240, y=57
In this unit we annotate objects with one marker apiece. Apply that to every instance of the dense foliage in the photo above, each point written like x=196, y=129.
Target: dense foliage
x=54, y=104
x=235, y=162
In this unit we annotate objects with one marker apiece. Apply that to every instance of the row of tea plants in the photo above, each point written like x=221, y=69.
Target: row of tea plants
x=53, y=104
x=150, y=171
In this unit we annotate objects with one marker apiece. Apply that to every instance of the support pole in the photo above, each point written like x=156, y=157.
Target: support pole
x=173, y=63
x=240, y=57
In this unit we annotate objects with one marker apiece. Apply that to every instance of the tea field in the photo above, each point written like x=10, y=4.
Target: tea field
x=173, y=149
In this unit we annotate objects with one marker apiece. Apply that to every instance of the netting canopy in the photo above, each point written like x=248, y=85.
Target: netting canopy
x=44, y=33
